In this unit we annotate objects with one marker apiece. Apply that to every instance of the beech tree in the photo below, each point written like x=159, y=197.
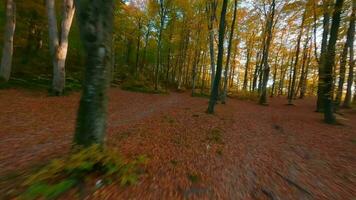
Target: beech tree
x=8, y=48
x=329, y=116
x=215, y=90
x=227, y=68
x=95, y=20
x=350, y=44
x=59, y=44
x=266, y=47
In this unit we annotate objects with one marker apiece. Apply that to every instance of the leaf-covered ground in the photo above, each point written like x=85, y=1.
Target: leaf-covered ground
x=244, y=151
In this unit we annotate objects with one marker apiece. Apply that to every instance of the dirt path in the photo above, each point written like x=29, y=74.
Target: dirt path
x=245, y=151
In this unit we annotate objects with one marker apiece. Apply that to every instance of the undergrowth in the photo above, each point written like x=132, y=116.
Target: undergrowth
x=141, y=86
x=62, y=175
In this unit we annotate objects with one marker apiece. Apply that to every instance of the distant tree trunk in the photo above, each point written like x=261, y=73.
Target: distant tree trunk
x=274, y=76
x=266, y=68
x=8, y=47
x=248, y=58
x=350, y=43
x=340, y=86
x=305, y=76
x=255, y=74
x=147, y=35
x=162, y=14
x=53, y=42
x=292, y=91
x=59, y=74
x=215, y=91
x=324, y=46
x=59, y=48
x=196, y=63
x=138, y=48
x=95, y=19
x=304, y=72
x=224, y=93
x=329, y=64
x=211, y=10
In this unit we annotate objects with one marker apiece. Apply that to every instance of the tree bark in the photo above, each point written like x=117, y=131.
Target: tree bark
x=224, y=93
x=210, y=10
x=329, y=64
x=350, y=43
x=292, y=91
x=215, y=91
x=8, y=48
x=59, y=46
x=324, y=46
x=95, y=19
x=266, y=68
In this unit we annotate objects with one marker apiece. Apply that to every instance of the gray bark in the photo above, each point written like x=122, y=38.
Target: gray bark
x=59, y=46
x=95, y=19
x=8, y=48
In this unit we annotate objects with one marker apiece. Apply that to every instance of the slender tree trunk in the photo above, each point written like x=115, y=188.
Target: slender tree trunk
x=244, y=87
x=350, y=43
x=266, y=68
x=329, y=64
x=324, y=45
x=8, y=48
x=95, y=19
x=159, y=43
x=138, y=46
x=53, y=38
x=305, y=77
x=303, y=74
x=210, y=10
x=224, y=93
x=215, y=91
x=147, y=36
x=274, y=76
x=58, y=84
x=292, y=92
x=255, y=74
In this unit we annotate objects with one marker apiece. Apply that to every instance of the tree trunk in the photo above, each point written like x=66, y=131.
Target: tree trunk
x=224, y=93
x=350, y=43
x=329, y=64
x=59, y=74
x=95, y=19
x=215, y=91
x=266, y=68
x=59, y=48
x=8, y=48
x=305, y=77
x=324, y=46
x=210, y=10
x=255, y=75
x=304, y=72
x=159, y=43
x=292, y=91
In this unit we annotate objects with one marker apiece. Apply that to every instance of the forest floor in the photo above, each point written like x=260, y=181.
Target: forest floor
x=244, y=151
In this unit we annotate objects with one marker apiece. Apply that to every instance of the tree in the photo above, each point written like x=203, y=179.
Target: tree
x=59, y=46
x=350, y=44
x=292, y=88
x=211, y=6
x=162, y=17
x=95, y=19
x=224, y=93
x=329, y=64
x=324, y=46
x=8, y=48
x=215, y=90
x=266, y=68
